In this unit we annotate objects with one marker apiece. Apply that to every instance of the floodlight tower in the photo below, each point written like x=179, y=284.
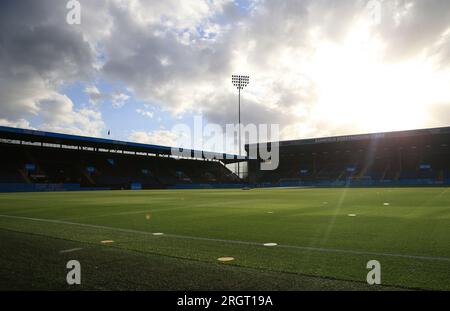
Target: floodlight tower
x=240, y=82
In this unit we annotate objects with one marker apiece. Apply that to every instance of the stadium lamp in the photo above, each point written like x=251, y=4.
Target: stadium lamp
x=240, y=82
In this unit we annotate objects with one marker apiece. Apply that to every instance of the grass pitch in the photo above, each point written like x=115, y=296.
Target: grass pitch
x=324, y=238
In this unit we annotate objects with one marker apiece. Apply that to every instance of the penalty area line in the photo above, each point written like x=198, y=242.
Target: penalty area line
x=187, y=237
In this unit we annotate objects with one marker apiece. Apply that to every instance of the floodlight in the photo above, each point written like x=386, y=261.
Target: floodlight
x=240, y=82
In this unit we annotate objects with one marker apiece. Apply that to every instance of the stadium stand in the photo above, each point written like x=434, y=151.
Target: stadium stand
x=417, y=157
x=43, y=161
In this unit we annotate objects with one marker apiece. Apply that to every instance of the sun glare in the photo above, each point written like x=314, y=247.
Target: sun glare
x=356, y=87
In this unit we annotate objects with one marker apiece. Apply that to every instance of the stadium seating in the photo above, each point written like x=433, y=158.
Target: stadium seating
x=23, y=164
x=42, y=161
x=420, y=157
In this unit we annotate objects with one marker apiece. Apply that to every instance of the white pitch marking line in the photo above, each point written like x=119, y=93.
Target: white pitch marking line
x=317, y=249
x=158, y=233
x=270, y=244
x=70, y=250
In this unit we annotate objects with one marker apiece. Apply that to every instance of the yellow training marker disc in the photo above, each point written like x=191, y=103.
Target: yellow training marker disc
x=107, y=241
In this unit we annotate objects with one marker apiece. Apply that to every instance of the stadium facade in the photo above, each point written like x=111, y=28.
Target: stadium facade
x=415, y=157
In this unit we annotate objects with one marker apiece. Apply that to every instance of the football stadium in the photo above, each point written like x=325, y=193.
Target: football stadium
x=225, y=154
x=138, y=218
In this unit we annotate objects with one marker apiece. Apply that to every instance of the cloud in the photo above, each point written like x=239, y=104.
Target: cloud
x=439, y=113
x=157, y=137
x=20, y=123
x=39, y=54
x=96, y=97
x=145, y=113
x=59, y=115
x=119, y=99
x=276, y=44
x=412, y=27
x=311, y=63
x=173, y=71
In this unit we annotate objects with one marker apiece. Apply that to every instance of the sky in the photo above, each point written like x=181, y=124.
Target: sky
x=140, y=67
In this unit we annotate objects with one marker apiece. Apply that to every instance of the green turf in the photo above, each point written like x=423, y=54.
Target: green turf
x=415, y=224
x=110, y=268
